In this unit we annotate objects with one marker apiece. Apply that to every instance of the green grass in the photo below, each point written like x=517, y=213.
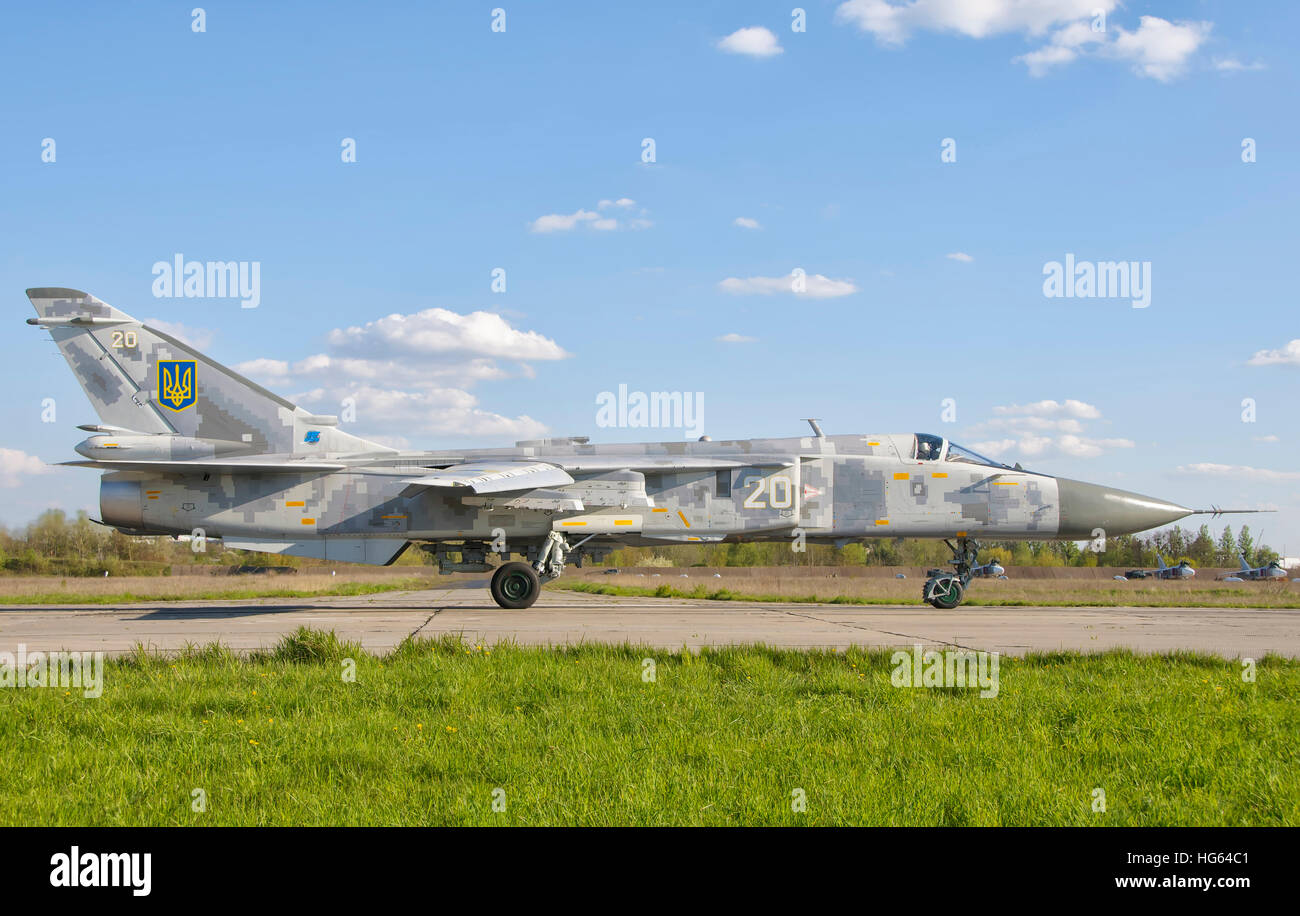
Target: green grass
x=575, y=736
x=65, y=596
x=1067, y=597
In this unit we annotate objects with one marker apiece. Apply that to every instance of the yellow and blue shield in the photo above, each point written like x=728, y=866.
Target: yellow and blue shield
x=176, y=383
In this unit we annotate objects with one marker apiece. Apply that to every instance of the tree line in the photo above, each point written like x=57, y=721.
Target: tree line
x=55, y=544
x=1200, y=548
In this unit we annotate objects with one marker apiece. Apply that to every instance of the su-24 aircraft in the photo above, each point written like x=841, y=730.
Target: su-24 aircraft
x=1183, y=570
x=1271, y=570
x=191, y=448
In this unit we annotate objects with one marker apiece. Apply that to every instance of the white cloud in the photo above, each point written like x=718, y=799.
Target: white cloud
x=1266, y=438
x=735, y=338
x=1064, y=46
x=1232, y=65
x=1084, y=447
x=1289, y=355
x=893, y=22
x=1160, y=49
x=744, y=222
x=1045, y=58
x=1031, y=446
x=437, y=411
x=1238, y=470
x=1044, y=428
x=561, y=222
x=439, y=331
x=1025, y=423
x=268, y=371
x=198, y=338
x=15, y=465
x=408, y=373
x=558, y=222
x=1049, y=408
x=816, y=286
x=959, y=256
x=754, y=41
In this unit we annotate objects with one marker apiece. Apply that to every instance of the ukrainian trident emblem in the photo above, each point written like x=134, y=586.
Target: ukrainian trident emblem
x=176, y=383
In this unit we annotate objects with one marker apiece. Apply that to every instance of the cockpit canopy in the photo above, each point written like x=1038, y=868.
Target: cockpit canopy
x=929, y=447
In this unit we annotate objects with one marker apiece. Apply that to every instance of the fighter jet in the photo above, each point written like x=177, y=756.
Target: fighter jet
x=1183, y=570
x=1271, y=570
x=990, y=570
x=190, y=447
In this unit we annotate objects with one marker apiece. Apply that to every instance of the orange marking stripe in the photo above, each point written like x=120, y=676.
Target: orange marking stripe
x=295, y=502
x=682, y=516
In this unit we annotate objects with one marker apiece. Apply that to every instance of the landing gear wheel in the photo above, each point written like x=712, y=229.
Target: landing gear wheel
x=944, y=591
x=515, y=585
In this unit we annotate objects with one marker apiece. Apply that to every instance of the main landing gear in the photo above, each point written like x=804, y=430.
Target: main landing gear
x=946, y=590
x=516, y=585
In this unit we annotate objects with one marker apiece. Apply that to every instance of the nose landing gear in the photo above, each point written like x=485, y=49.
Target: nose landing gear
x=945, y=590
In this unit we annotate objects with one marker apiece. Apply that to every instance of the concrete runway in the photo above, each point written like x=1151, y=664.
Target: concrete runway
x=379, y=622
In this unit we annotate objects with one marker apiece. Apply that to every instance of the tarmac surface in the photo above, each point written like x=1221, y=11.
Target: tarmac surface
x=381, y=621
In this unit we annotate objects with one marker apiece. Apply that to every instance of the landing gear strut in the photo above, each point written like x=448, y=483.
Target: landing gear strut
x=516, y=585
x=946, y=590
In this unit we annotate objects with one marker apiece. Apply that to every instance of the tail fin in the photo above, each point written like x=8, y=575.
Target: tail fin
x=1244, y=565
x=1161, y=561
x=138, y=378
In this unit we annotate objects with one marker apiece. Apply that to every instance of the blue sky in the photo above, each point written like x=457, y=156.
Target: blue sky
x=478, y=149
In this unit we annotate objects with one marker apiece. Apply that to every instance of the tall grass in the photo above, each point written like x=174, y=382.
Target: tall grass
x=437, y=731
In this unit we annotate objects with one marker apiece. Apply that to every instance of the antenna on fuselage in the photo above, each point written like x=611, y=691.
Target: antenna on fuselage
x=817, y=430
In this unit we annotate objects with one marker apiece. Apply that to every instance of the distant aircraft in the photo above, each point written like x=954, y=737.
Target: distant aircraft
x=1183, y=570
x=991, y=570
x=193, y=448
x=1271, y=570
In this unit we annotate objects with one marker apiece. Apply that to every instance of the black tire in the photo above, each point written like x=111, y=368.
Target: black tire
x=515, y=585
x=948, y=595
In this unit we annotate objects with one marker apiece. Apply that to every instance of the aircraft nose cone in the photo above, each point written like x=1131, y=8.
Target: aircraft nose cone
x=1086, y=507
